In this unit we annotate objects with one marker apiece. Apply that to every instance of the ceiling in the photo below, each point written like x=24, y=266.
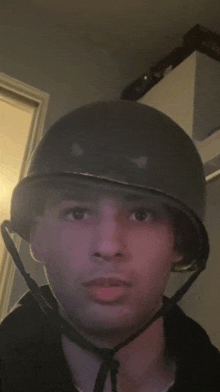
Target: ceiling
x=135, y=30
x=138, y=22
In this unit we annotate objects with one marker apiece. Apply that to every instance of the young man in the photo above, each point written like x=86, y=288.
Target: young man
x=112, y=203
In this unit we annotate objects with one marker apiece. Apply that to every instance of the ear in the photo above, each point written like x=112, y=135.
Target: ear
x=177, y=256
x=35, y=254
x=36, y=244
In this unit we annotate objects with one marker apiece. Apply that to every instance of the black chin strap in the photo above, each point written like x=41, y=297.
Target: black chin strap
x=109, y=363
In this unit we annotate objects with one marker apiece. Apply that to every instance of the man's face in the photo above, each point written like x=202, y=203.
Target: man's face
x=98, y=232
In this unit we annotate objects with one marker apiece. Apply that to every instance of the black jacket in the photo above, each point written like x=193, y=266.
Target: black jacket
x=32, y=358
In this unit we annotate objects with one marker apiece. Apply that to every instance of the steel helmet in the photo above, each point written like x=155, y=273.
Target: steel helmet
x=123, y=143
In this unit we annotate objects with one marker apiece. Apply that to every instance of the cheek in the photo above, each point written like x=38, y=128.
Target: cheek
x=53, y=242
x=65, y=255
x=152, y=252
x=152, y=244
x=74, y=246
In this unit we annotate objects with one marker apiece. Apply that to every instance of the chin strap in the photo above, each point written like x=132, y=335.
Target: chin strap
x=110, y=364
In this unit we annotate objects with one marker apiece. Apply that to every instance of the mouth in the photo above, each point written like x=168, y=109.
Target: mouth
x=107, y=282
x=107, y=290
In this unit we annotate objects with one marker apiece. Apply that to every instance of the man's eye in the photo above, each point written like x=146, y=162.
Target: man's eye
x=142, y=214
x=76, y=213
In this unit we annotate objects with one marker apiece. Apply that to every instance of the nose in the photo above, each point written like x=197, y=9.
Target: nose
x=108, y=240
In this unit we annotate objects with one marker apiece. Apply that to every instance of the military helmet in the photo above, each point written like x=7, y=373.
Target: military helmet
x=124, y=144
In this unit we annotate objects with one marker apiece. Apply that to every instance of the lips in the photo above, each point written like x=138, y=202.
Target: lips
x=107, y=282
x=107, y=290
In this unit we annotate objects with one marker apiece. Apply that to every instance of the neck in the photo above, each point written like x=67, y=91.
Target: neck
x=143, y=363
